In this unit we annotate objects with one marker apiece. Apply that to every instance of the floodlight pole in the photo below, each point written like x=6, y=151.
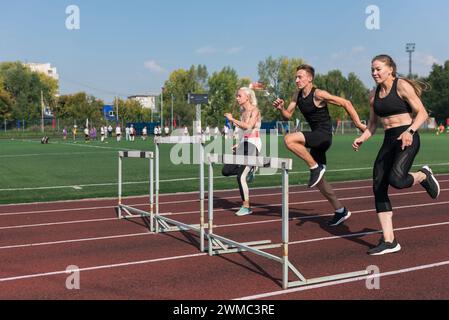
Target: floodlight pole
x=42, y=111
x=162, y=107
x=172, y=99
x=410, y=48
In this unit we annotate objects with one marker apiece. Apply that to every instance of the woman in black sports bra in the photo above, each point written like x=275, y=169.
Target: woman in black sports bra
x=397, y=103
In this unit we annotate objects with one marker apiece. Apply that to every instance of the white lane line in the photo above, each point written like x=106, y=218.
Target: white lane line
x=110, y=266
x=218, y=199
x=167, y=195
x=334, y=283
x=244, y=224
x=370, y=233
x=55, y=223
x=237, y=224
x=323, y=215
x=39, y=244
x=174, y=202
x=186, y=179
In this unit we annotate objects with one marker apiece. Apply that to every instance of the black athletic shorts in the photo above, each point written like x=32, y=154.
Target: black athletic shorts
x=319, y=142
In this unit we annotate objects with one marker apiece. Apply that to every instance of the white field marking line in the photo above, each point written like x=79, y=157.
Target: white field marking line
x=217, y=210
x=179, y=179
x=89, y=146
x=251, y=223
x=50, y=154
x=70, y=187
x=81, y=144
x=344, y=281
x=110, y=266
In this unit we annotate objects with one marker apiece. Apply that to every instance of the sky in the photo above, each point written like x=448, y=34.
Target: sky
x=130, y=47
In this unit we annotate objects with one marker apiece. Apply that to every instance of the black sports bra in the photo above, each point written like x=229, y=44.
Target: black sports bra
x=392, y=104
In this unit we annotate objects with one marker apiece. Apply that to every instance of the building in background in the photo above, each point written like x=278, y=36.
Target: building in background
x=147, y=101
x=44, y=68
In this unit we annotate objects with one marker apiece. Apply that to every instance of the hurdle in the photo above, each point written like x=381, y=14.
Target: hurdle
x=220, y=245
x=162, y=223
x=128, y=212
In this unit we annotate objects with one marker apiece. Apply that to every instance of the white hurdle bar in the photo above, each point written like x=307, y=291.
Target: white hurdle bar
x=224, y=245
x=129, y=211
x=165, y=222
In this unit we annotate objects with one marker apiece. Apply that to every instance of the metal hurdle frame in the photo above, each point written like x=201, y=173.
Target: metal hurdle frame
x=221, y=245
x=163, y=223
x=128, y=210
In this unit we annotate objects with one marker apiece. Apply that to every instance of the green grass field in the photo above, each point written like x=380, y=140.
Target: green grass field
x=32, y=172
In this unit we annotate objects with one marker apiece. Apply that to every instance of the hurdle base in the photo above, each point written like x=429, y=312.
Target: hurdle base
x=169, y=225
x=222, y=248
x=128, y=215
x=335, y=277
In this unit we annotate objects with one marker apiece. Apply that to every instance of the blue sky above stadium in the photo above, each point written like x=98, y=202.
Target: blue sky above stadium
x=130, y=47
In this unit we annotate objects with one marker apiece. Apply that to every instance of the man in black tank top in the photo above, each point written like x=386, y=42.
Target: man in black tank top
x=312, y=102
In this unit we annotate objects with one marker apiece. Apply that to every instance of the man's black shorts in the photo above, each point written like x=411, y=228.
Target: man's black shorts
x=319, y=142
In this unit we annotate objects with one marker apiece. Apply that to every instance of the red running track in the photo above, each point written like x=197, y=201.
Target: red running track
x=122, y=260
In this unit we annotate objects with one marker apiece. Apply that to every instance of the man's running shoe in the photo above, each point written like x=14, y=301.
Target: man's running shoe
x=316, y=175
x=339, y=218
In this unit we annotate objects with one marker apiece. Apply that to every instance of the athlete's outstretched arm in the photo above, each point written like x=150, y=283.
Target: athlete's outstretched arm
x=341, y=102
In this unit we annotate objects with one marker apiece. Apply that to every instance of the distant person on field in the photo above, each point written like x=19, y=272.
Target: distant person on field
x=118, y=133
x=75, y=132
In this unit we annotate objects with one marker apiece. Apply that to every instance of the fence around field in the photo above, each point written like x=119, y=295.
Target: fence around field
x=54, y=127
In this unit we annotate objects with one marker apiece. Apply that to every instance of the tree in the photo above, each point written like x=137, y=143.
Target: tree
x=351, y=88
x=81, y=106
x=278, y=76
x=5, y=105
x=222, y=88
x=130, y=110
x=180, y=83
x=437, y=98
x=25, y=87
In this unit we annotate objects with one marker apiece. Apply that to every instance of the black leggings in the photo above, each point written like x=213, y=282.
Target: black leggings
x=247, y=149
x=392, y=166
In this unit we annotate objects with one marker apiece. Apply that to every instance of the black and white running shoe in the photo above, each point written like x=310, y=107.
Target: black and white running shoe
x=430, y=184
x=316, y=175
x=339, y=218
x=384, y=248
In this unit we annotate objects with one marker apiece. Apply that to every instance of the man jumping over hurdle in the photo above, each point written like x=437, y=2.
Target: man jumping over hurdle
x=312, y=102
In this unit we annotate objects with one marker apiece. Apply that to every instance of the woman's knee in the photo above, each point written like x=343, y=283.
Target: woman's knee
x=228, y=171
x=401, y=181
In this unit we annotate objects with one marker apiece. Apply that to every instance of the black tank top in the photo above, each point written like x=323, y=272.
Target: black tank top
x=318, y=118
x=392, y=104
